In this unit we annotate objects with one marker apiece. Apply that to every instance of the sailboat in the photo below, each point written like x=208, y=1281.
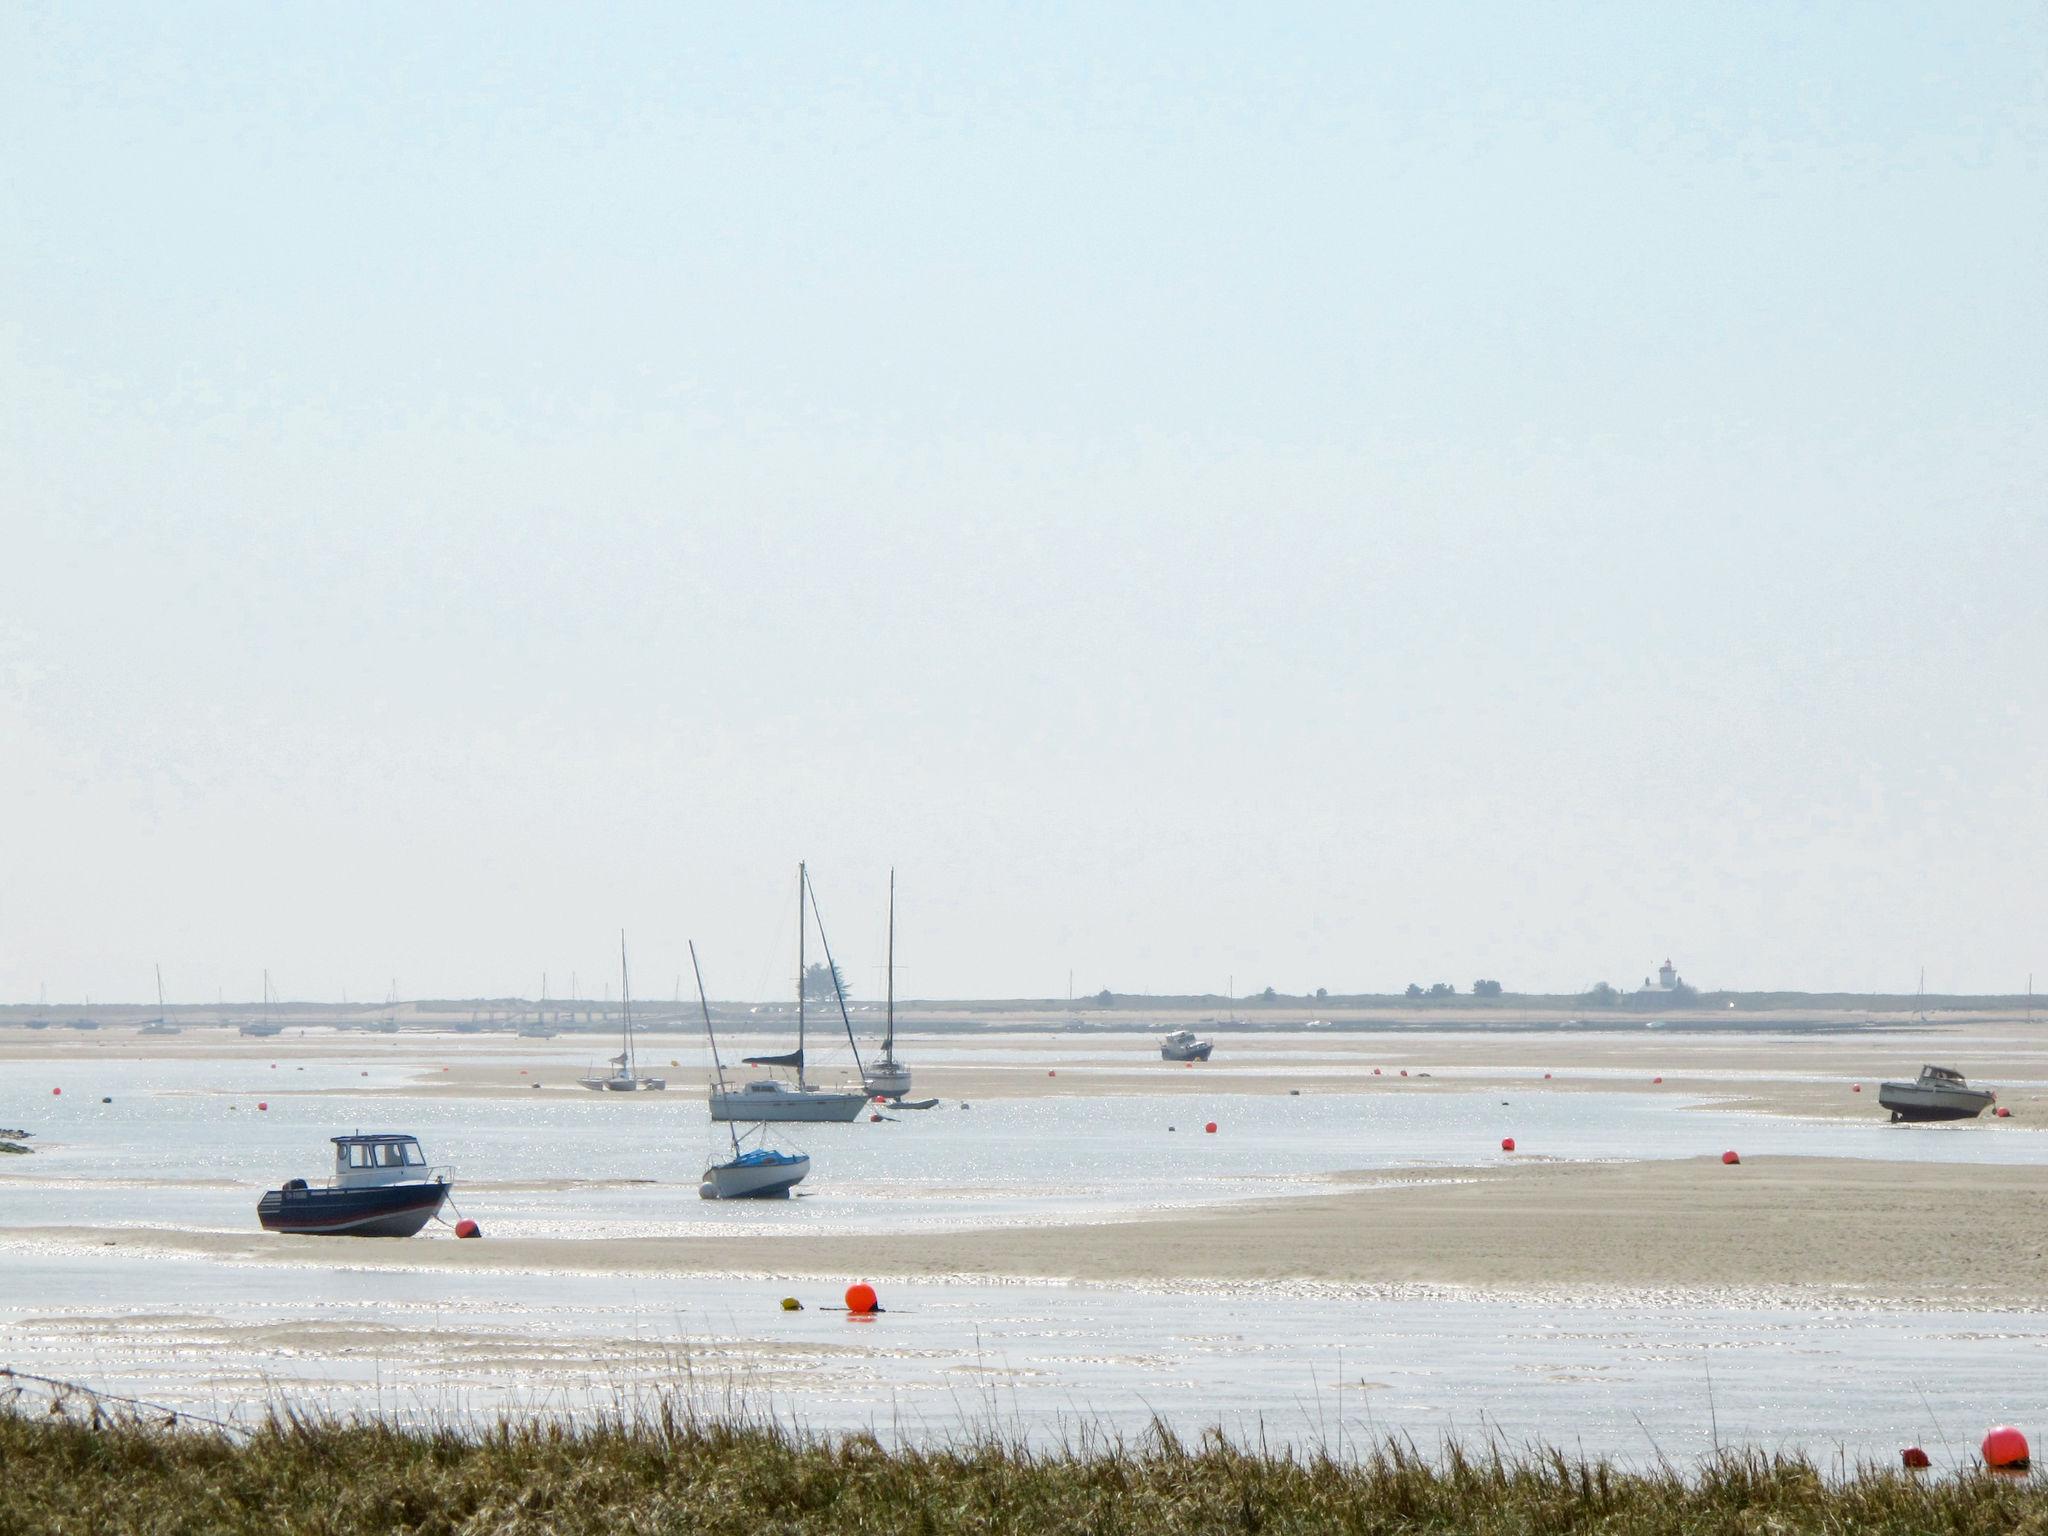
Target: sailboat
x=762, y=1174
x=536, y=1028
x=624, y=1076
x=889, y=1078
x=264, y=1026
x=159, y=1025
x=767, y=1099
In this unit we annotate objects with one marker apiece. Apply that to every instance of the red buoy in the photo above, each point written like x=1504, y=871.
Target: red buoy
x=57, y=1091
x=1730, y=1158
x=1915, y=1459
x=1858, y=1088
x=1546, y=1077
x=1052, y=1074
x=1507, y=1143
x=2006, y=1448
x=1210, y=1127
x=261, y=1105
x=872, y=1118
x=880, y=1099
x=1656, y=1079
x=861, y=1299
x=1404, y=1071
x=468, y=1228
x=2002, y=1112
x=1375, y=1071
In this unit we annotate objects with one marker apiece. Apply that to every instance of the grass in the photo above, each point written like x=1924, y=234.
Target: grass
x=663, y=1471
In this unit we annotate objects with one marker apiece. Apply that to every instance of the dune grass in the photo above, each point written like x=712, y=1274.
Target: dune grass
x=664, y=1472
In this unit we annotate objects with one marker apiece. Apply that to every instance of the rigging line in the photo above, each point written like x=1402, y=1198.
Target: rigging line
x=837, y=991
x=717, y=1065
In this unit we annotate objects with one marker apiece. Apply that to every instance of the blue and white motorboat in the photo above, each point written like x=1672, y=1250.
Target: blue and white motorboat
x=382, y=1188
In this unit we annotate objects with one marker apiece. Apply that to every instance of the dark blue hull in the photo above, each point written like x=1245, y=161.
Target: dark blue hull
x=393, y=1210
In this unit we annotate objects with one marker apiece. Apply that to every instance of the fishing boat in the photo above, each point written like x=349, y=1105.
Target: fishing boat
x=625, y=1076
x=1182, y=1045
x=801, y=1100
x=889, y=1078
x=382, y=1188
x=1939, y=1093
x=764, y=1173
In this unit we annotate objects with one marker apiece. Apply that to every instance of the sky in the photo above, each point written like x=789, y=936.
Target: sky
x=1213, y=495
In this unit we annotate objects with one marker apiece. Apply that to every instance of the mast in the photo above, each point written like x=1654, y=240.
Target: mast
x=625, y=1008
x=889, y=1029
x=160, y=992
x=802, y=880
x=717, y=1066
x=832, y=968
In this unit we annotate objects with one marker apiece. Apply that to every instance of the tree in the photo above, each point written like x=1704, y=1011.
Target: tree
x=1414, y=990
x=1321, y=993
x=1269, y=994
x=1602, y=993
x=1486, y=989
x=1105, y=997
x=1442, y=989
x=819, y=982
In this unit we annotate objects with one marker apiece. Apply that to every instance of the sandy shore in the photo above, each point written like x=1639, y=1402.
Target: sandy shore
x=1844, y=1229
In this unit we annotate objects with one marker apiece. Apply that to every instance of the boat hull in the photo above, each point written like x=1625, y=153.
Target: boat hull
x=626, y=1084
x=1909, y=1101
x=754, y=1180
x=390, y=1210
x=787, y=1106
x=1187, y=1052
x=889, y=1079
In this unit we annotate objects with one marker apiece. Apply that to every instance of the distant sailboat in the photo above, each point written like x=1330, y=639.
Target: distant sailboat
x=263, y=1026
x=159, y=1025
x=624, y=1076
x=762, y=1174
x=766, y=1099
x=889, y=1078
x=536, y=1028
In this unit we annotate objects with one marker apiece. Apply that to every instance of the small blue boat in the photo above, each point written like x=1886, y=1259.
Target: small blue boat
x=382, y=1188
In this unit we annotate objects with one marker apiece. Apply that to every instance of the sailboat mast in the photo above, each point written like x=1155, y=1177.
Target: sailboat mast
x=625, y=1006
x=160, y=993
x=802, y=880
x=717, y=1066
x=889, y=1029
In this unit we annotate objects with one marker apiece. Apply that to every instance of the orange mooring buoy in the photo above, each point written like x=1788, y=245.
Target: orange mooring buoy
x=1730, y=1157
x=2002, y=1113
x=1507, y=1143
x=1210, y=1127
x=468, y=1228
x=861, y=1299
x=2005, y=1448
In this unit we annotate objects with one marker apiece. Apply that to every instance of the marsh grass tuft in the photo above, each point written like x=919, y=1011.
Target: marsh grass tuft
x=663, y=1468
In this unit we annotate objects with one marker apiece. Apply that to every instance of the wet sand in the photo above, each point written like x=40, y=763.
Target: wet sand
x=1842, y=1230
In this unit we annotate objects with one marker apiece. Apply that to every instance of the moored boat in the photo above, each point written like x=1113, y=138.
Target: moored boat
x=762, y=1174
x=382, y=1188
x=889, y=1078
x=1182, y=1045
x=625, y=1075
x=1939, y=1093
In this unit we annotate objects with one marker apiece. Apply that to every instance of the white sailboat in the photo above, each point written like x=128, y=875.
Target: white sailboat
x=624, y=1076
x=263, y=1027
x=889, y=1078
x=761, y=1174
x=803, y=1100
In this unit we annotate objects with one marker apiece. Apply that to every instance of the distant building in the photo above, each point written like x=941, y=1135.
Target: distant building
x=1668, y=980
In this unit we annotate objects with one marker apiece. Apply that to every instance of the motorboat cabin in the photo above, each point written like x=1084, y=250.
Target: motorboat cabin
x=383, y=1187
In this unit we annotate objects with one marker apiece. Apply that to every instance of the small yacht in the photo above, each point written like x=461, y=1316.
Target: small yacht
x=889, y=1078
x=625, y=1076
x=761, y=1174
x=382, y=1188
x=1939, y=1093
x=1182, y=1045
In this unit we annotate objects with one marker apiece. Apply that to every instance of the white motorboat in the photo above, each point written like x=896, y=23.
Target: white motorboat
x=762, y=1174
x=1939, y=1093
x=889, y=1078
x=802, y=1100
x=625, y=1076
x=1182, y=1045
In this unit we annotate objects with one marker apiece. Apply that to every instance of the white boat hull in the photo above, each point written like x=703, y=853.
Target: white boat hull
x=761, y=1181
x=626, y=1084
x=787, y=1104
x=890, y=1079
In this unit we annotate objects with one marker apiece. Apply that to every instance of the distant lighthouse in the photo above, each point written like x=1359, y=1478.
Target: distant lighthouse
x=1667, y=978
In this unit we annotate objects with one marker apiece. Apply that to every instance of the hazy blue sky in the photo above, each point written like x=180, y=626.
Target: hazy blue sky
x=1333, y=497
